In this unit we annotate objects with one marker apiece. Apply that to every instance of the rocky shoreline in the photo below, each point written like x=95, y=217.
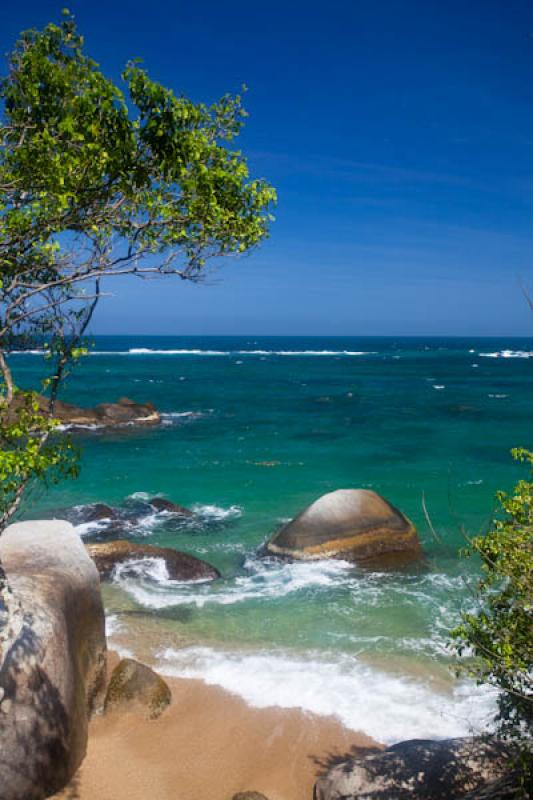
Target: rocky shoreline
x=54, y=674
x=125, y=413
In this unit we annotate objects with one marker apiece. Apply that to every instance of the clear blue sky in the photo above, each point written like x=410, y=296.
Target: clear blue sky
x=399, y=134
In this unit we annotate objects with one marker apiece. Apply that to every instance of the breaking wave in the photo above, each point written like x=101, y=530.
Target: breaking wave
x=387, y=707
x=508, y=354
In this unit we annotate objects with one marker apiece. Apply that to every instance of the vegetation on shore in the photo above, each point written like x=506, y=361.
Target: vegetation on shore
x=500, y=633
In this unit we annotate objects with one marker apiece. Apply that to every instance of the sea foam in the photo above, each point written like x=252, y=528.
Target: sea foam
x=387, y=707
x=508, y=354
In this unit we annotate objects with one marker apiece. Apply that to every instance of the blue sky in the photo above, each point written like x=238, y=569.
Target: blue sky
x=399, y=135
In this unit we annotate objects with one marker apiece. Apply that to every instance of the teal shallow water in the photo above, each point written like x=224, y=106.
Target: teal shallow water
x=255, y=429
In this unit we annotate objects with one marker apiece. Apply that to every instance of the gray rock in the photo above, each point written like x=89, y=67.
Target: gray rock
x=52, y=657
x=135, y=686
x=354, y=524
x=416, y=770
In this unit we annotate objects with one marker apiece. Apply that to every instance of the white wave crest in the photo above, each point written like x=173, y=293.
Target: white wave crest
x=88, y=528
x=387, y=707
x=508, y=354
x=179, y=417
x=212, y=513
x=150, y=570
x=147, y=351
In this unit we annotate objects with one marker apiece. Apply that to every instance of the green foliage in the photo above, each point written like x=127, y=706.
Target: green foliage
x=99, y=180
x=500, y=633
x=152, y=174
x=28, y=450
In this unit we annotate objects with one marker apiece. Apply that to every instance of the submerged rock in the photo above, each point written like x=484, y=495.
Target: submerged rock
x=52, y=657
x=123, y=413
x=96, y=512
x=162, y=504
x=355, y=524
x=417, y=770
x=134, y=686
x=180, y=566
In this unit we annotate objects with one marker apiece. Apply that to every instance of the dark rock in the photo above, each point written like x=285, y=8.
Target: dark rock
x=123, y=413
x=354, y=524
x=134, y=686
x=95, y=512
x=249, y=796
x=52, y=657
x=416, y=770
x=162, y=504
x=180, y=566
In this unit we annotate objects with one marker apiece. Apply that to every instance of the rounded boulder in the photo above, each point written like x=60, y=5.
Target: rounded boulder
x=134, y=686
x=354, y=524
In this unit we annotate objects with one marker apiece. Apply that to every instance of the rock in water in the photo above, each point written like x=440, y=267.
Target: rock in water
x=135, y=686
x=417, y=770
x=180, y=566
x=96, y=512
x=162, y=504
x=355, y=524
x=124, y=413
x=52, y=657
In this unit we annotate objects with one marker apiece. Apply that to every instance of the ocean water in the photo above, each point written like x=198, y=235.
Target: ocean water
x=254, y=429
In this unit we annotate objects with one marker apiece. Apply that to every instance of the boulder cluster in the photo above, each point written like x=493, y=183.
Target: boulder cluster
x=123, y=413
x=55, y=672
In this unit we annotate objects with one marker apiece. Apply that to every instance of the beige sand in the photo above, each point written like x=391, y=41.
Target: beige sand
x=207, y=746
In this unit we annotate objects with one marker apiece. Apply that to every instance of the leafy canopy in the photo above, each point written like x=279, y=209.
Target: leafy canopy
x=96, y=181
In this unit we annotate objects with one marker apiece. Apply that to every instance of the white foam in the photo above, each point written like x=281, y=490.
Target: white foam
x=508, y=354
x=144, y=351
x=73, y=427
x=438, y=386
x=86, y=528
x=387, y=707
x=266, y=580
x=149, y=569
x=147, y=351
x=174, y=417
x=212, y=513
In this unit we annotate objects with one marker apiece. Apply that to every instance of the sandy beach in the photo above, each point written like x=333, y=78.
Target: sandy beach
x=208, y=745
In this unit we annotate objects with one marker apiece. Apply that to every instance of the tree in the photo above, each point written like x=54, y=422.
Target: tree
x=500, y=633
x=96, y=183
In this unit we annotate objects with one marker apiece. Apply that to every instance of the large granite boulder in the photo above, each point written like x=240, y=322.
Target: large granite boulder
x=52, y=657
x=123, y=413
x=417, y=770
x=136, y=687
x=355, y=524
x=180, y=566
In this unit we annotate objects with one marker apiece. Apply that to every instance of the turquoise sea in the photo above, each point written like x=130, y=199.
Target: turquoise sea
x=256, y=428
